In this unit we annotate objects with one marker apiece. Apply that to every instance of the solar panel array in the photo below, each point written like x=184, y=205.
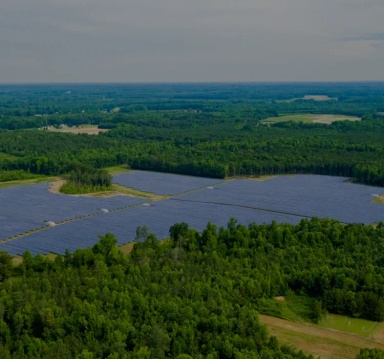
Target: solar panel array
x=28, y=207
x=162, y=183
x=158, y=217
x=284, y=199
x=302, y=195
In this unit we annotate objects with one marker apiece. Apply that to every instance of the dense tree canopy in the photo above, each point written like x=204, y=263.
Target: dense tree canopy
x=195, y=294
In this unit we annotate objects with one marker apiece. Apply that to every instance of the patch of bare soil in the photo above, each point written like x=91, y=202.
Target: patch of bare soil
x=54, y=187
x=326, y=343
x=256, y=178
x=89, y=131
x=280, y=298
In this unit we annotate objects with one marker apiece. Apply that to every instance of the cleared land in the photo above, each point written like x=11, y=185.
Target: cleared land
x=311, y=118
x=310, y=97
x=117, y=190
x=90, y=130
x=318, y=98
x=323, y=342
x=361, y=327
x=379, y=199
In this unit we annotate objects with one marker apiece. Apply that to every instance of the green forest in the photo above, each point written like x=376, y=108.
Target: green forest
x=193, y=295
x=202, y=130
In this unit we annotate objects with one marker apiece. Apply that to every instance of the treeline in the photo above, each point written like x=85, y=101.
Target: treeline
x=193, y=295
x=216, y=148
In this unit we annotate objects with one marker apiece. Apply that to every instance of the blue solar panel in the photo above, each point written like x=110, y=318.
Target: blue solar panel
x=28, y=207
x=283, y=199
x=162, y=183
x=302, y=195
x=158, y=217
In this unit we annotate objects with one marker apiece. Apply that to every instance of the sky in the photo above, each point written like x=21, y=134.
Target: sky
x=49, y=41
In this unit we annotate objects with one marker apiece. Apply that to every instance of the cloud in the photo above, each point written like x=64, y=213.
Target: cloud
x=180, y=40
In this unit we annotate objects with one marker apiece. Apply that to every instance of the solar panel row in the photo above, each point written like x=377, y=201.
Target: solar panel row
x=162, y=183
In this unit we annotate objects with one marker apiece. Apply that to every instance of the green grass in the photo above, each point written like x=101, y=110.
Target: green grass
x=114, y=170
x=362, y=327
x=25, y=182
x=310, y=118
x=294, y=308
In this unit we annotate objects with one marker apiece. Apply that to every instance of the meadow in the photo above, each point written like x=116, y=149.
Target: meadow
x=311, y=118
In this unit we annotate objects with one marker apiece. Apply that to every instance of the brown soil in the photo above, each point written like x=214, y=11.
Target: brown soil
x=89, y=131
x=280, y=299
x=55, y=186
x=326, y=343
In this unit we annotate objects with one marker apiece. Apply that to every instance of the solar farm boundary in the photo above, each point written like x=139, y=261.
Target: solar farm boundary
x=147, y=200
x=247, y=207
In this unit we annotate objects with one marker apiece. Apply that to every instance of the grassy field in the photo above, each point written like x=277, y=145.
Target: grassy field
x=336, y=336
x=361, y=327
x=26, y=182
x=322, y=342
x=311, y=118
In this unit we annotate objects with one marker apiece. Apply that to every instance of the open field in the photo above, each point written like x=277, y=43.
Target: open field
x=323, y=342
x=311, y=118
x=319, y=98
x=26, y=182
x=88, y=129
x=361, y=327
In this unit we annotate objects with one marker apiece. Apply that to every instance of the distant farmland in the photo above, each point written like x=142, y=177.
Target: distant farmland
x=311, y=118
x=37, y=220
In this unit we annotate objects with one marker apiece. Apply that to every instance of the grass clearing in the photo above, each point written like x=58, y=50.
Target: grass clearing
x=361, y=327
x=26, y=182
x=323, y=342
x=319, y=98
x=379, y=199
x=127, y=191
x=88, y=129
x=115, y=170
x=311, y=118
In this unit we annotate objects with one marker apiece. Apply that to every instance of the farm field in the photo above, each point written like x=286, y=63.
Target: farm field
x=311, y=118
x=80, y=220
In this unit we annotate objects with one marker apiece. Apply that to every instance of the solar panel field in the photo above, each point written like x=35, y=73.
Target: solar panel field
x=196, y=201
x=162, y=183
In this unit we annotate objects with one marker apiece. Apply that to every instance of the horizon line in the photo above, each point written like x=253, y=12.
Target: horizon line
x=188, y=83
